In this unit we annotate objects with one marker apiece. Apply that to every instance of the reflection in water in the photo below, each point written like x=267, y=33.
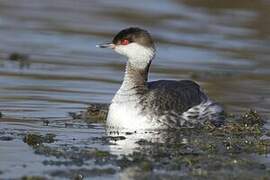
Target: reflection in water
x=130, y=142
x=134, y=141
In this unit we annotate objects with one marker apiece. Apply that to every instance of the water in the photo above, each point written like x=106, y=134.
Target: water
x=224, y=46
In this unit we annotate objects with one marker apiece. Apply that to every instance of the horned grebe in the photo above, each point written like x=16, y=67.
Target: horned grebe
x=139, y=104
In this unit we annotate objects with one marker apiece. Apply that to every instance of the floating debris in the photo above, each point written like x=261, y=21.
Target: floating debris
x=18, y=56
x=46, y=122
x=22, y=59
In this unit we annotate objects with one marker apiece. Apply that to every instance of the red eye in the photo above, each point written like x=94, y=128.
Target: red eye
x=124, y=42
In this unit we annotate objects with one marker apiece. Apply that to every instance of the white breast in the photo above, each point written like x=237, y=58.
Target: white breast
x=127, y=116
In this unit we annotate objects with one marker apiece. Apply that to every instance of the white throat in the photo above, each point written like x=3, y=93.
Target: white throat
x=138, y=56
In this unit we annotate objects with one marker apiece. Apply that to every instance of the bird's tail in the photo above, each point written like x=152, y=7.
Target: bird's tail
x=213, y=112
x=206, y=111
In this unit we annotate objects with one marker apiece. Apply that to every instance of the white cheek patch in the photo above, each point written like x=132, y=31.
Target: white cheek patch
x=120, y=49
x=138, y=55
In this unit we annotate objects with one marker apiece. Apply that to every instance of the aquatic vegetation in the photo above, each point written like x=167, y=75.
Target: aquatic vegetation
x=95, y=113
x=37, y=140
x=203, y=152
x=206, y=152
x=251, y=118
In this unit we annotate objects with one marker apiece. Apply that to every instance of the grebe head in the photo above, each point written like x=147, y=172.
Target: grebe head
x=134, y=43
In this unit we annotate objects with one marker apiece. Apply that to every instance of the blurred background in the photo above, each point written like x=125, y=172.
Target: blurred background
x=49, y=64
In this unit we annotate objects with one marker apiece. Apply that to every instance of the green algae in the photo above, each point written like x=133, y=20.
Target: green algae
x=251, y=118
x=36, y=139
x=72, y=155
x=102, y=154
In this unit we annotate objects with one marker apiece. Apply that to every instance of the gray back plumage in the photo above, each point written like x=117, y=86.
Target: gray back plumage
x=177, y=96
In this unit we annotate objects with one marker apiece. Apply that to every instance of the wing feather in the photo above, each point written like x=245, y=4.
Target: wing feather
x=177, y=96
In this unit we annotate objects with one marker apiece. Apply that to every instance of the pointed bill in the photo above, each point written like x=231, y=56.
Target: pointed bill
x=105, y=45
